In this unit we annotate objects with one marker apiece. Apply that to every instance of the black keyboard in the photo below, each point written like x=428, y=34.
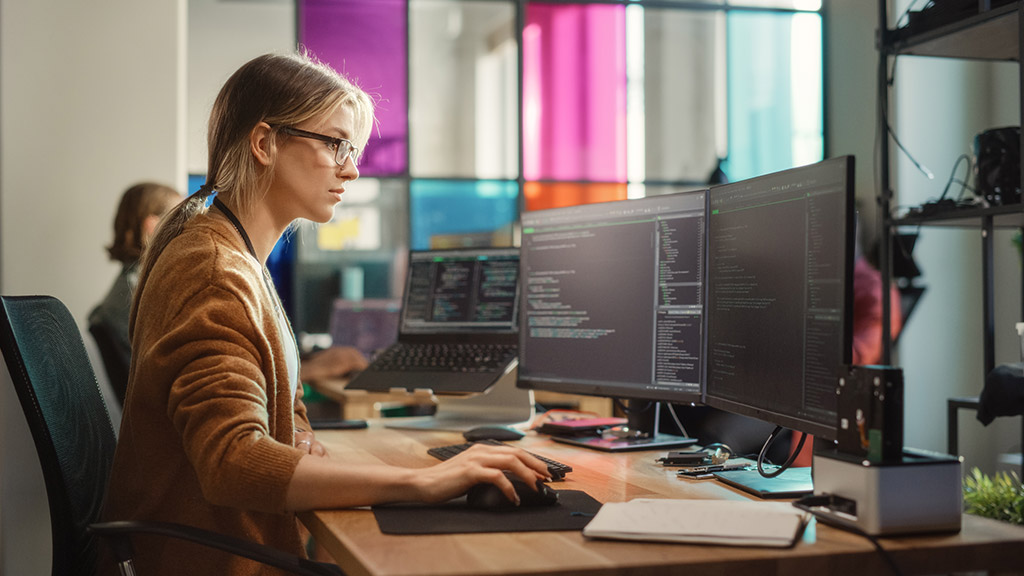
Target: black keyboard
x=556, y=469
x=445, y=357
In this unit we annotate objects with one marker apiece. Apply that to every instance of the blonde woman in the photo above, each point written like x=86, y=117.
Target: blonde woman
x=214, y=432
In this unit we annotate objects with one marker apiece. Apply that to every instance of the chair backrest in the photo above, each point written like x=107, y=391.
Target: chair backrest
x=114, y=361
x=67, y=417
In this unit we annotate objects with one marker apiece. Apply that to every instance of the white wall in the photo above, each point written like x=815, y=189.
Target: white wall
x=223, y=35
x=93, y=98
x=90, y=102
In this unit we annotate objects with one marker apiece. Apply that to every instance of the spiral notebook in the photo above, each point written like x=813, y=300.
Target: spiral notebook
x=720, y=522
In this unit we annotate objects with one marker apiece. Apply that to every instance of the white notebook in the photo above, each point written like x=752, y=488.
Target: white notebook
x=723, y=522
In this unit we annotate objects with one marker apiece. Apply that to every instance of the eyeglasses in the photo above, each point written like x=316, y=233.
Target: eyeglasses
x=341, y=147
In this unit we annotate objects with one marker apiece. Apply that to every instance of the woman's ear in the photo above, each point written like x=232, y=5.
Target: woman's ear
x=261, y=145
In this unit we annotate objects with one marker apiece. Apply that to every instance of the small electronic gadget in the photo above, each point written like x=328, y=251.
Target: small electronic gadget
x=870, y=407
x=679, y=458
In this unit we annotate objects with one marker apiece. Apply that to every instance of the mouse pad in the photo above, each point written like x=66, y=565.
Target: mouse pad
x=573, y=511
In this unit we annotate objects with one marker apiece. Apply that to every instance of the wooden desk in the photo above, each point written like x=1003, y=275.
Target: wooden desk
x=353, y=538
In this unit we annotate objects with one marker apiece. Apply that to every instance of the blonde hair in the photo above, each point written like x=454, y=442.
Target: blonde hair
x=280, y=90
x=138, y=202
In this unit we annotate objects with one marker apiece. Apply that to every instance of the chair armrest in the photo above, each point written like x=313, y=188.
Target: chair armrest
x=119, y=534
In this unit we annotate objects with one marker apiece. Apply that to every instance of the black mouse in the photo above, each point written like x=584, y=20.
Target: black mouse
x=492, y=433
x=487, y=496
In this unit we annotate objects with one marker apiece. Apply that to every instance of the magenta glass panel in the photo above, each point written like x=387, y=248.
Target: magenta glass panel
x=366, y=41
x=574, y=92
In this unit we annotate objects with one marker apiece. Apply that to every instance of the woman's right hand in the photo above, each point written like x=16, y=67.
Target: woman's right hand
x=480, y=463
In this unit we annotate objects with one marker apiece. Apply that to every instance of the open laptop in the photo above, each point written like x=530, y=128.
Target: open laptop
x=458, y=330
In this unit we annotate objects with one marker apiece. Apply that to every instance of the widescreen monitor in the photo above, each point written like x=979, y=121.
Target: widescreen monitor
x=612, y=300
x=780, y=303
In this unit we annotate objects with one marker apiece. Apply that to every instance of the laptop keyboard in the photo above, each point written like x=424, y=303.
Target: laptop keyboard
x=444, y=357
x=557, y=469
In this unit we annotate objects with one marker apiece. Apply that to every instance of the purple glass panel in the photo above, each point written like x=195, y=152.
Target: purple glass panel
x=574, y=92
x=366, y=41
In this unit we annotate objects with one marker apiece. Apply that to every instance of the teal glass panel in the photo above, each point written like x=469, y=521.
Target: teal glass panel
x=775, y=92
x=459, y=213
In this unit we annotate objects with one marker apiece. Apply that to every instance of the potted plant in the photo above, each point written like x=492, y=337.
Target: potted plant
x=1000, y=496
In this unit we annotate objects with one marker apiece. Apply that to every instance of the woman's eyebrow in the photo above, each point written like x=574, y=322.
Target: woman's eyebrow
x=343, y=134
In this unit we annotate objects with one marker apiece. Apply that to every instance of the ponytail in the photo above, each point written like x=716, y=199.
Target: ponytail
x=169, y=228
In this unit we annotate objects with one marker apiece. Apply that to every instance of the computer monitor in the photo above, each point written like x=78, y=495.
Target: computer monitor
x=612, y=304
x=780, y=302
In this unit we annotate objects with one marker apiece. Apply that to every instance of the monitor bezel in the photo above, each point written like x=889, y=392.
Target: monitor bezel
x=779, y=418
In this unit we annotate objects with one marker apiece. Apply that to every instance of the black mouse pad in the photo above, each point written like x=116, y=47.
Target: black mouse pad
x=573, y=511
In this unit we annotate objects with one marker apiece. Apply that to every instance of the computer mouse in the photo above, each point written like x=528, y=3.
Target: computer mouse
x=487, y=496
x=492, y=433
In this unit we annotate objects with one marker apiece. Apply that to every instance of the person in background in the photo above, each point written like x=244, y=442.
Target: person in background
x=214, y=432
x=140, y=209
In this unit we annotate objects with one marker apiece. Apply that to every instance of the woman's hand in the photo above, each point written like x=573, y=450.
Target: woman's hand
x=480, y=463
x=305, y=440
x=333, y=362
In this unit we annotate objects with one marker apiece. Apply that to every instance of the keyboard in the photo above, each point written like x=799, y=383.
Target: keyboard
x=445, y=357
x=556, y=469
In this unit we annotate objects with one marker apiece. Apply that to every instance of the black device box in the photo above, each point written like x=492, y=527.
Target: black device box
x=870, y=413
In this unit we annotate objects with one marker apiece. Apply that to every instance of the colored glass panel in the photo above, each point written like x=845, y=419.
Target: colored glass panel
x=543, y=195
x=458, y=213
x=683, y=94
x=574, y=92
x=775, y=92
x=366, y=41
x=464, y=96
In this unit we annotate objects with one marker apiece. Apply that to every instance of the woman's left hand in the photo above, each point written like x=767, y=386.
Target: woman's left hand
x=306, y=441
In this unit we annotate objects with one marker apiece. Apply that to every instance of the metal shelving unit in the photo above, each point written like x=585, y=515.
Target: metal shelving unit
x=993, y=34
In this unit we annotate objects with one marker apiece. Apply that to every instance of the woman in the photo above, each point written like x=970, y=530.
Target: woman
x=214, y=433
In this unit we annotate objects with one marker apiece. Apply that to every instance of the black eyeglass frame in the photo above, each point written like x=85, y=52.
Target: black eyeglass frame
x=341, y=153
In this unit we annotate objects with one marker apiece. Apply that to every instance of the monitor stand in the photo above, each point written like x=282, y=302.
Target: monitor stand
x=643, y=425
x=502, y=404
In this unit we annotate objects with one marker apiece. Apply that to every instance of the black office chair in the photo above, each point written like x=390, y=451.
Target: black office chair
x=74, y=439
x=115, y=361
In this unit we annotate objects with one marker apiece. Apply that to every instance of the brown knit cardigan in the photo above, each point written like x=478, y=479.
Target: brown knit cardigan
x=207, y=430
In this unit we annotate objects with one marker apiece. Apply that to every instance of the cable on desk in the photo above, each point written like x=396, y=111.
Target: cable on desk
x=789, y=462
x=886, y=557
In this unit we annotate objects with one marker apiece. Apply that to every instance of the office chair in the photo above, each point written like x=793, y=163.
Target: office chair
x=114, y=361
x=74, y=439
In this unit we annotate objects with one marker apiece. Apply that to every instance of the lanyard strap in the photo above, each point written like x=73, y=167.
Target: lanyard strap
x=238, y=226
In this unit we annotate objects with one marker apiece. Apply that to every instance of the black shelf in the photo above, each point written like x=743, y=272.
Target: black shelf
x=990, y=35
x=1011, y=216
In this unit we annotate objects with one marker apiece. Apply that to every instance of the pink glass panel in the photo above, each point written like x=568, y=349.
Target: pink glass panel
x=574, y=92
x=366, y=41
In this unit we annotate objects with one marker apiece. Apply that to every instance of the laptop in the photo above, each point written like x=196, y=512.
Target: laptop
x=458, y=329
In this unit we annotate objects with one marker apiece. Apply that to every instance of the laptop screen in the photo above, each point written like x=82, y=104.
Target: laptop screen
x=462, y=291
